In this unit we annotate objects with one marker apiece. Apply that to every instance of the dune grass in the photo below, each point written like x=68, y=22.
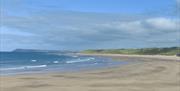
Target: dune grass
x=142, y=51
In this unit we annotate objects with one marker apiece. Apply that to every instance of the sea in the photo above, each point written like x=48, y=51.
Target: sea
x=15, y=63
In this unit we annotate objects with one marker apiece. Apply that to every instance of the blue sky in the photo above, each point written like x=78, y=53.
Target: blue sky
x=89, y=24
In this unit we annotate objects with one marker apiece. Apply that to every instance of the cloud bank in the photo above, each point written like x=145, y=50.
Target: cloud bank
x=40, y=27
x=80, y=30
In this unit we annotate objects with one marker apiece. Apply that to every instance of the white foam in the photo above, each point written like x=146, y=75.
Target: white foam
x=23, y=67
x=33, y=60
x=55, y=62
x=91, y=58
x=37, y=66
x=75, y=56
x=79, y=60
x=16, y=68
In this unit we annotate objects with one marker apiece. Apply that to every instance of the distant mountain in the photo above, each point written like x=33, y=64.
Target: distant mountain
x=37, y=50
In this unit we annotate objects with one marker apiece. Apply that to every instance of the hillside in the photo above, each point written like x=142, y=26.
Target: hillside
x=142, y=51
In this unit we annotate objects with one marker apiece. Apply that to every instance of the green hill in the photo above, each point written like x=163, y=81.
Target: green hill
x=142, y=51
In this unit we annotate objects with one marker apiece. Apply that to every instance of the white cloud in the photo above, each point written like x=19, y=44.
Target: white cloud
x=163, y=23
x=129, y=27
x=79, y=30
x=14, y=32
x=156, y=24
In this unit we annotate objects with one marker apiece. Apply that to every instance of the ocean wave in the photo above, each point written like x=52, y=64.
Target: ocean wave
x=55, y=62
x=23, y=67
x=80, y=60
x=33, y=60
x=74, y=56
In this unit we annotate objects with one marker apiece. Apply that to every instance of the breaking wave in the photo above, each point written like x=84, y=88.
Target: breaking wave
x=23, y=67
x=79, y=60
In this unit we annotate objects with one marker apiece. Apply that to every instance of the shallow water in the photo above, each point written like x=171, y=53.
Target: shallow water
x=12, y=63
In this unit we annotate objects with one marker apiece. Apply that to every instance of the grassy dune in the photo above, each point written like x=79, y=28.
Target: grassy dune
x=142, y=51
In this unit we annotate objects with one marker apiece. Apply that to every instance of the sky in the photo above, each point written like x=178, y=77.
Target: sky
x=88, y=24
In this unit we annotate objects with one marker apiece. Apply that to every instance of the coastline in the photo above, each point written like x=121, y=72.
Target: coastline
x=133, y=56
x=151, y=73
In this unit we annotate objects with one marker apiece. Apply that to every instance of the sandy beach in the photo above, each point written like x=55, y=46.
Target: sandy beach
x=143, y=73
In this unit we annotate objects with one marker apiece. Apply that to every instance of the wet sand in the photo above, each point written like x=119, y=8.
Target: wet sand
x=143, y=74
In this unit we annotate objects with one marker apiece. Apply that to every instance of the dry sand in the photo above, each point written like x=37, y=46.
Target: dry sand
x=143, y=74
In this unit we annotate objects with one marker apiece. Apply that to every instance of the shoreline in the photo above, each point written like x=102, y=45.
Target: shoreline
x=149, y=74
x=133, y=56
